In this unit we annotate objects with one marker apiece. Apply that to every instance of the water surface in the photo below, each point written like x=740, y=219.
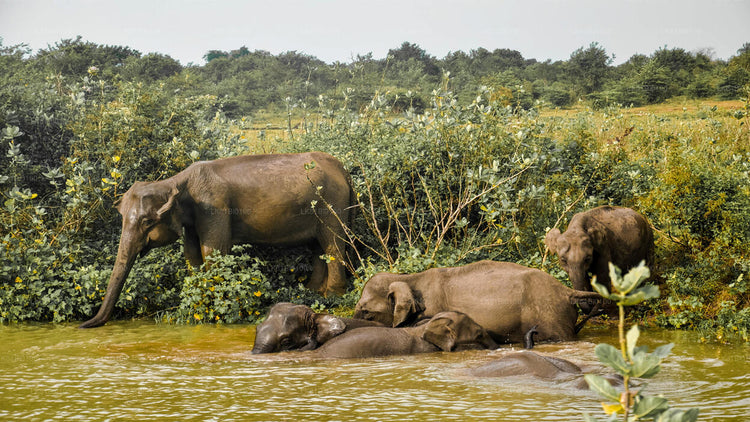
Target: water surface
x=144, y=371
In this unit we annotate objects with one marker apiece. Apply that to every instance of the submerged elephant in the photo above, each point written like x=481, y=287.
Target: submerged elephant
x=599, y=236
x=528, y=363
x=446, y=331
x=297, y=327
x=506, y=299
x=259, y=199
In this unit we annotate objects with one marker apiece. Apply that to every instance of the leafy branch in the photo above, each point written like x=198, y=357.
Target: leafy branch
x=632, y=361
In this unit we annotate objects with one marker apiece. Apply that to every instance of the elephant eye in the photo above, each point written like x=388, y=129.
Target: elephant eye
x=148, y=222
x=285, y=343
x=563, y=261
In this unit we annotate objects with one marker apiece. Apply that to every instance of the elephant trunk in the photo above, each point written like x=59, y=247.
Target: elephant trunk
x=126, y=255
x=260, y=348
x=580, y=280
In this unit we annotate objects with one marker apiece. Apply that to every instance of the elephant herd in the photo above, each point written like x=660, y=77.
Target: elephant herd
x=293, y=199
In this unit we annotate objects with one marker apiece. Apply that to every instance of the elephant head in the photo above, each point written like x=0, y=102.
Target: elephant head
x=391, y=305
x=575, y=249
x=295, y=327
x=453, y=331
x=150, y=218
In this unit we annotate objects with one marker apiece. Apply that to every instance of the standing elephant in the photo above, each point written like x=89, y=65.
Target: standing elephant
x=506, y=299
x=599, y=236
x=213, y=205
x=446, y=331
x=297, y=327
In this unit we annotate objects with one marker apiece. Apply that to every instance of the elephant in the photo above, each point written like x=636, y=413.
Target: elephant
x=599, y=236
x=528, y=363
x=297, y=327
x=506, y=299
x=269, y=199
x=446, y=331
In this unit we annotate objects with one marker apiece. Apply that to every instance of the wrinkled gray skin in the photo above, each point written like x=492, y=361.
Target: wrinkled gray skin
x=527, y=363
x=213, y=205
x=446, y=331
x=506, y=299
x=291, y=327
x=599, y=236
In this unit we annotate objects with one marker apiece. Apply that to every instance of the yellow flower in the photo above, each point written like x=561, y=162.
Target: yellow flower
x=18, y=280
x=197, y=317
x=258, y=293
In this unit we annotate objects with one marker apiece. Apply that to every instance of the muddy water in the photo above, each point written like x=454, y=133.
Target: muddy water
x=142, y=371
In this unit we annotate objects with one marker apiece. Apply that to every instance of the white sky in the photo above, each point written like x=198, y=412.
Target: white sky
x=338, y=30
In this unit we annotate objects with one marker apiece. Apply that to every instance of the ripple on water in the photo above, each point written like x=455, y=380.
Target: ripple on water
x=146, y=371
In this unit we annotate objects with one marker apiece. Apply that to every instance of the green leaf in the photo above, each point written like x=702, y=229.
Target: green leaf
x=650, y=406
x=645, y=365
x=615, y=275
x=603, y=387
x=634, y=277
x=641, y=294
x=600, y=288
x=663, y=351
x=675, y=415
x=632, y=339
x=612, y=357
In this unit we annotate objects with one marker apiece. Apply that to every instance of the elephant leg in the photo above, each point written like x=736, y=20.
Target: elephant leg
x=335, y=280
x=317, y=279
x=192, y=247
x=215, y=234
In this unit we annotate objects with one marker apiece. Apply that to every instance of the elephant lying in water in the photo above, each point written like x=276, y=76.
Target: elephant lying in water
x=599, y=236
x=259, y=199
x=297, y=327
x=527, y=363
x=506, y=299
x=446, y=331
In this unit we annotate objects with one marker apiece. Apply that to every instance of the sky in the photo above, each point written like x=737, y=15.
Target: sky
x=339, y=30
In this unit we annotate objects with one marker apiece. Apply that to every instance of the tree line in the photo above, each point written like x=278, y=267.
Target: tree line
x=246, y=81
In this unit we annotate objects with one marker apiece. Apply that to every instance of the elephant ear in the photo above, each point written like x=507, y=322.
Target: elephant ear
x=403, y=302
x=440, y=332
x=328, y=327
x=169, y=205
x=551, y=240
x=596, y=235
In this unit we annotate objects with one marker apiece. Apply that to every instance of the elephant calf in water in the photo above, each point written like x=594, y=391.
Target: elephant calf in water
x=446, y=331
x=297, y=327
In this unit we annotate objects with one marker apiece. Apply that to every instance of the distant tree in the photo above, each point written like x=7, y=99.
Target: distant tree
x=151, y=67
x=589, y=67
x=737, y=74
x=75, y=57
x=214, y=54
x=409, y=51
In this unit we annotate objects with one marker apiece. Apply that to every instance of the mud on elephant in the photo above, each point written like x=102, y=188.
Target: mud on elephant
x=258, y=199
x=289, y=327
x=506, y=299
x=599, y=236
x=446, y=331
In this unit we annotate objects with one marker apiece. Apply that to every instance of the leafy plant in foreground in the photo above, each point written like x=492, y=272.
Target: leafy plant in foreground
x=632, y=361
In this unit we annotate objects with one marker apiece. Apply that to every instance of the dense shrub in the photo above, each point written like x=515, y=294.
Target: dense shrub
x=457, y=182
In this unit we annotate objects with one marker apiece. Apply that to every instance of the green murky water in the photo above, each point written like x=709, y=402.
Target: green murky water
x=143, y=371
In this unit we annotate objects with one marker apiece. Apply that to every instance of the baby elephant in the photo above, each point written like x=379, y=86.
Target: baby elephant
x=599, y=236
x=297, y=327
x=446, y=331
